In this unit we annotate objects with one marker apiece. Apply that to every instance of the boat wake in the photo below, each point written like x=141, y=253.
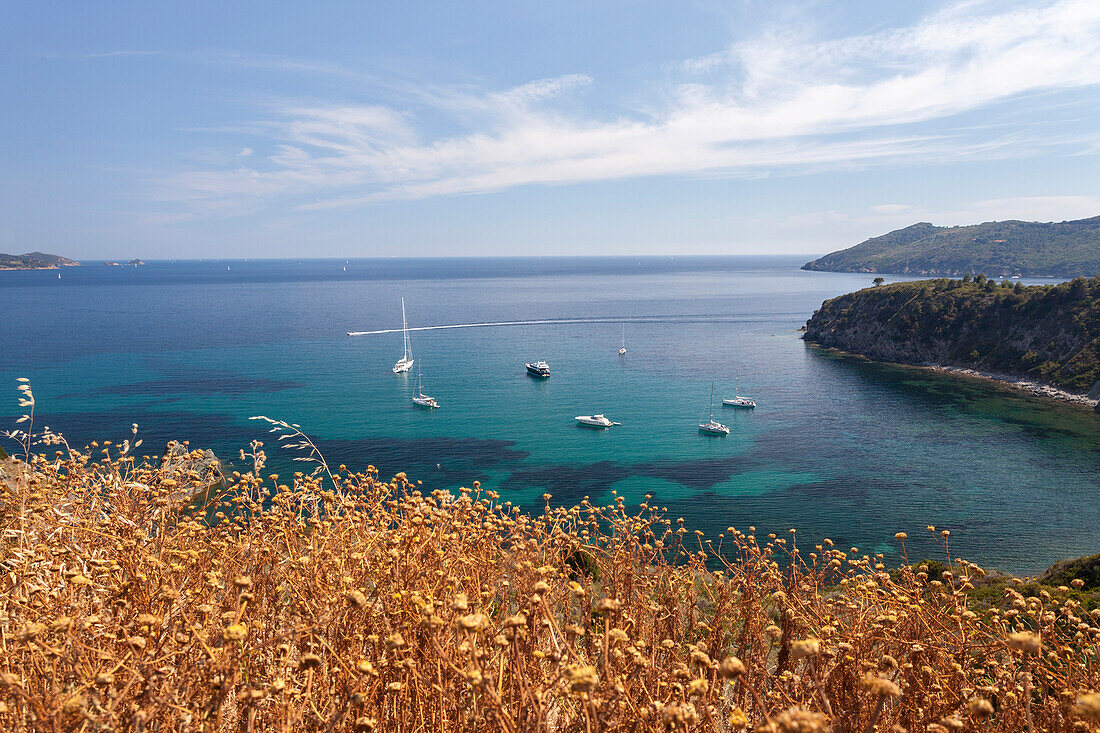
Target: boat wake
x=563, y=321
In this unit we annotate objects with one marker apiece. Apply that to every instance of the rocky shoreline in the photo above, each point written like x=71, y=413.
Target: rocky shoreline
x=1020, y=384
x=1031, y=387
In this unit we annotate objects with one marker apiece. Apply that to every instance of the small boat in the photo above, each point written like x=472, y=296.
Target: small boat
x=421, y=399
x=712, y=426
x=595, y=421
x=538, y=369
x=622, y=349
x=739, y=401
x=406, y=361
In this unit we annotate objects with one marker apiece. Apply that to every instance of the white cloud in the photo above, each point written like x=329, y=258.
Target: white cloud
x=779, y=102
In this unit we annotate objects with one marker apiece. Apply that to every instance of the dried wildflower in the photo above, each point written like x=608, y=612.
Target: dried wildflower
x=737, y=719
x=698, y=687
x=880, y=686
x=309, y=661
x=800, y=720
x=356, y=598
x=805, y=648
x=605, y=605
x=395, y=641
x=474, y=622
x=731, y=667
x=235, y=632
x=979, y=707
x=581, y=677
x=1088, y=706
x=1024, y=641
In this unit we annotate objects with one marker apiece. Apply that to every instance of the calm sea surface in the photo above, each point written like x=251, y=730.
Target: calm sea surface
x=837, y=447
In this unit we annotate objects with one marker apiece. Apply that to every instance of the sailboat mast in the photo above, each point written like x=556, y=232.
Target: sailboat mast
x=405, y=329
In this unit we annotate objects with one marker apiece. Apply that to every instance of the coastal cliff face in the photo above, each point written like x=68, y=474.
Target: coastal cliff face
x=1050, y=333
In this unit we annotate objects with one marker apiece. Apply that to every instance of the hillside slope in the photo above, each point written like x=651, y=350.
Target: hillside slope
x=1063, y=249
x=1050, y=333
x=34, y=261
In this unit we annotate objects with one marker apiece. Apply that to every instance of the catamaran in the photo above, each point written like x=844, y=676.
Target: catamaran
x=622, y=349
x=406, y=362
x=595, y=421
x=422, y=399
x=712, y=426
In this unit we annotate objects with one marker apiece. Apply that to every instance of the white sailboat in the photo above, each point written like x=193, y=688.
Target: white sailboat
x=739, y=401
x=712, y=426
x=406, y=361
x=622, y=349
x=421, y=399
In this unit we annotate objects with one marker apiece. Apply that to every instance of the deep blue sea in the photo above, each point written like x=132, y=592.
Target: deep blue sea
x=837, y=447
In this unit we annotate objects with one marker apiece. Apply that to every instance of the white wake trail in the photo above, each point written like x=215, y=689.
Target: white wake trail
x=556, y=322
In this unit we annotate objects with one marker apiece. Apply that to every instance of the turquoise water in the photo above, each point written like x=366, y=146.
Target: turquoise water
x=838, y=447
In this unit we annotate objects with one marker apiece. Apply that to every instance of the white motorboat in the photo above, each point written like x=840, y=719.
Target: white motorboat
x=595, y=421
x=739, y=401
x=422, y=399
x=538, y=369
x=622, y=349
x=712, y=426
x=406, y=361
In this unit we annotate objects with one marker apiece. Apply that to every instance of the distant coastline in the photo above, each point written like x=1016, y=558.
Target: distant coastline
x=35, y=261
x=1003, y=248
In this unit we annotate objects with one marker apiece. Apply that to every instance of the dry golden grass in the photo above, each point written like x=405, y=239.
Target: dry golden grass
x=354, y=603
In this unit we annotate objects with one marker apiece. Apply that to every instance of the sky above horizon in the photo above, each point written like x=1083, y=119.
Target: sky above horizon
x=359, y=129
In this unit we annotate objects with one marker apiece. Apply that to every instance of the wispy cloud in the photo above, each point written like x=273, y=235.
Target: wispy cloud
x=780, y=102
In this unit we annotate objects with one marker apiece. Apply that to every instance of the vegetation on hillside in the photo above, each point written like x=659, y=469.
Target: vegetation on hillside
x=34, y=261
x=339, y=601
x=1047, y=332
x=1035, y=249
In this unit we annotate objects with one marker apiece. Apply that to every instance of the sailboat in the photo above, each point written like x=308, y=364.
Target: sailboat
x=622, y=349
x=712, y=426
x=406, y=362
x=422, y=399
x=739, y=401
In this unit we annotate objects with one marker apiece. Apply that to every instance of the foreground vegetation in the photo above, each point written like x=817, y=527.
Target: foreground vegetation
x=1035, y=249
x=339, y=601
x=1050, y=333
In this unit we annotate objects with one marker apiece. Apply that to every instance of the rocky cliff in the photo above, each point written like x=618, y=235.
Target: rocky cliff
x=1050, y=333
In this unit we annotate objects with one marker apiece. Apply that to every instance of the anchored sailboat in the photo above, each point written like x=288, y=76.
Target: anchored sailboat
x=622, y=349
x=712, y=426
x=406, y=362
x=422, y=399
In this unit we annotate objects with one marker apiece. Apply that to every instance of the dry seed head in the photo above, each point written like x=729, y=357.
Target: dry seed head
x=880, y=686
x=581, y=677
x=235, y=632
x=805, y=648
x=979, y=707
x=607, y=604
x=1024, y=641
x=731, y=667
x=309, y=661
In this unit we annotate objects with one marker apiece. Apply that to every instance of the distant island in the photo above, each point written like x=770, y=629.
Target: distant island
x=35, y=261
x=131, y=263
x=1030, y=249
x=1031, y=336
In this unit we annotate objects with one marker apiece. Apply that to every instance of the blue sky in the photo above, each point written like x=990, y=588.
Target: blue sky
x=200, y=129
